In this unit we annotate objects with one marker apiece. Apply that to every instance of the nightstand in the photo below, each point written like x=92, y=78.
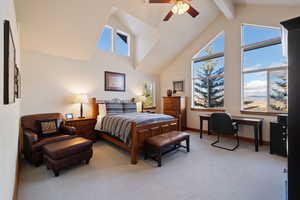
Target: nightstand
x=85, y=127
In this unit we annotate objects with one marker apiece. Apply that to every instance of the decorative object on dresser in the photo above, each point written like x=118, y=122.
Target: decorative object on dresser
x=115, y=82
x=176, y=107
x=278, y=135
x=9, y=71
x=84, y=127
x=169, y=93
x=178, y=86
x=34, y=141
x=81, y=99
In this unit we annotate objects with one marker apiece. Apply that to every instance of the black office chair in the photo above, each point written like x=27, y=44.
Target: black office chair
x=221, y=123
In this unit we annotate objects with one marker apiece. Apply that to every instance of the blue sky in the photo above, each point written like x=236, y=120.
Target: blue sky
x=105, y=42
x=255, y=84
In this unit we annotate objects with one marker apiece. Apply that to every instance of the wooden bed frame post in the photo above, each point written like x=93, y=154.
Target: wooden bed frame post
x=134, y=143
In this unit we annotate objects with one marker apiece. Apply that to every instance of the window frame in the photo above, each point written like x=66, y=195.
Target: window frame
x=128, y=41
x=255, y=46
x=205, y=58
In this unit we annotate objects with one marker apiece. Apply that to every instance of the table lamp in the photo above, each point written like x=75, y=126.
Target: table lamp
x=81, y=98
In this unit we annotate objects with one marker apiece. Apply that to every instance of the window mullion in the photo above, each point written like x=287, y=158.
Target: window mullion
x=268, y=90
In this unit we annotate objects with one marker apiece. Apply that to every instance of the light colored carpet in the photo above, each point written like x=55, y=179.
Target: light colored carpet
x=206, y=173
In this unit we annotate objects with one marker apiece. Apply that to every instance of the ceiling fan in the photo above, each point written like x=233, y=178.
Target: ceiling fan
x=180, y=7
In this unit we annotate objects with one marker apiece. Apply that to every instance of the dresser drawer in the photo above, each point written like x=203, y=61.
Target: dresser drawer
x=172, y=105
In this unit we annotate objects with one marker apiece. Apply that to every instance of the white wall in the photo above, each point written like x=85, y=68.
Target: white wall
x=9, y=114
x=180, y=68
x=49, y=81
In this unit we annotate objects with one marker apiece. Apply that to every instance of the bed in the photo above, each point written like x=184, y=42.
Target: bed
x=129, y=129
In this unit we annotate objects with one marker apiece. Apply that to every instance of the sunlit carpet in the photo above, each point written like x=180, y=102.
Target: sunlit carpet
x=206, y=173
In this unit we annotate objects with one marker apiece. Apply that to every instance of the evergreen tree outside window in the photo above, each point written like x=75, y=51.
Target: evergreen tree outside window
x=149, y=94
x=208, y=75
x=264, y=71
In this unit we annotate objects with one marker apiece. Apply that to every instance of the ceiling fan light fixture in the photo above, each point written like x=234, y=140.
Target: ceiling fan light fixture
x=180, y=7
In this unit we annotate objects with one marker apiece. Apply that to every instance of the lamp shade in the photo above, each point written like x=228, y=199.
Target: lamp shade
x=81, y=98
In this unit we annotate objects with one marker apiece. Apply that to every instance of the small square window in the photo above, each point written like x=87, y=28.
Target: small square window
x=105, y=42
x=122, y=44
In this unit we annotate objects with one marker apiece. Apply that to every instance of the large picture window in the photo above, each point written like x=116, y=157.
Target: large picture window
x=208, y=75
x=264, y=71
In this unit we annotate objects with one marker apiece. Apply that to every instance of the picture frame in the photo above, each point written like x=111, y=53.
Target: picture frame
x=115, y=81
x=9, y=87
x=69, y=116
x=178, y=86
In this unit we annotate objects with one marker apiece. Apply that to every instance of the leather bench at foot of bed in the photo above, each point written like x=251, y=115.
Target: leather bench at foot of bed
x=170, y=141
x=63, y=154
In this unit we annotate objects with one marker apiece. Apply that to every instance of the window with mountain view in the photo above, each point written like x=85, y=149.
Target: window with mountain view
x=264, y=70
x=208, y=75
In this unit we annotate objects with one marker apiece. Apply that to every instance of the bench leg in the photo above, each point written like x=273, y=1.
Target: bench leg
x=146, y=152
x=56, y=173
x=187, y=144
x=159, y=158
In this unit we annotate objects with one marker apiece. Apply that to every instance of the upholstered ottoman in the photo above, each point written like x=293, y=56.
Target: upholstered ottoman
x=66, y=153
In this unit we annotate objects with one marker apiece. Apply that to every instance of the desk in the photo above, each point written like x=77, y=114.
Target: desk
x=257, y=124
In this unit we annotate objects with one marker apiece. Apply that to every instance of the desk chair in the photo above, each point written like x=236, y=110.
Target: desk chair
x=221, y=123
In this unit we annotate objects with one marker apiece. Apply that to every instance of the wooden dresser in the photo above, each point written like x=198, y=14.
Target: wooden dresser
x=85, y=127
x=176, y=107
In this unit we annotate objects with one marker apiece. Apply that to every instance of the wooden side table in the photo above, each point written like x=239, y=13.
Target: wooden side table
x=85, y=127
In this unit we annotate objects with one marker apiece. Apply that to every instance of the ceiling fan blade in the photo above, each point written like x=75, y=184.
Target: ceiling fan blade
x=193, y=12
x=169, y=15
x=160, y=1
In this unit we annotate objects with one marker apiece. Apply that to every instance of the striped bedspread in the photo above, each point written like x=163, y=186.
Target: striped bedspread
x=119, y=126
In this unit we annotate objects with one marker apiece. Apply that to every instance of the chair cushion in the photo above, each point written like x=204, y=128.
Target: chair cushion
x=30, y=121
x=167, y=139
x=63, y=149
x=47, y=127
x=129, y=107
x=114, y=108
x=38, y=146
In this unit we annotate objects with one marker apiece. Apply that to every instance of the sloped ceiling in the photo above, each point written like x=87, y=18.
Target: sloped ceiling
x=70, y=28
x=270, y=2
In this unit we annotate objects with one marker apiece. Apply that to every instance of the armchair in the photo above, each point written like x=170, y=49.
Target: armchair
x=33, y=144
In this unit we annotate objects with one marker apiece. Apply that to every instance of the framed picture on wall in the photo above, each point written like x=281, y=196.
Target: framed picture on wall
x=115, y=81
x=178, y=86
x=9, y=87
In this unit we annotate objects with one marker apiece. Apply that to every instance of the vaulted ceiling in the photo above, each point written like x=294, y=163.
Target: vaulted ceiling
x=70, y=28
